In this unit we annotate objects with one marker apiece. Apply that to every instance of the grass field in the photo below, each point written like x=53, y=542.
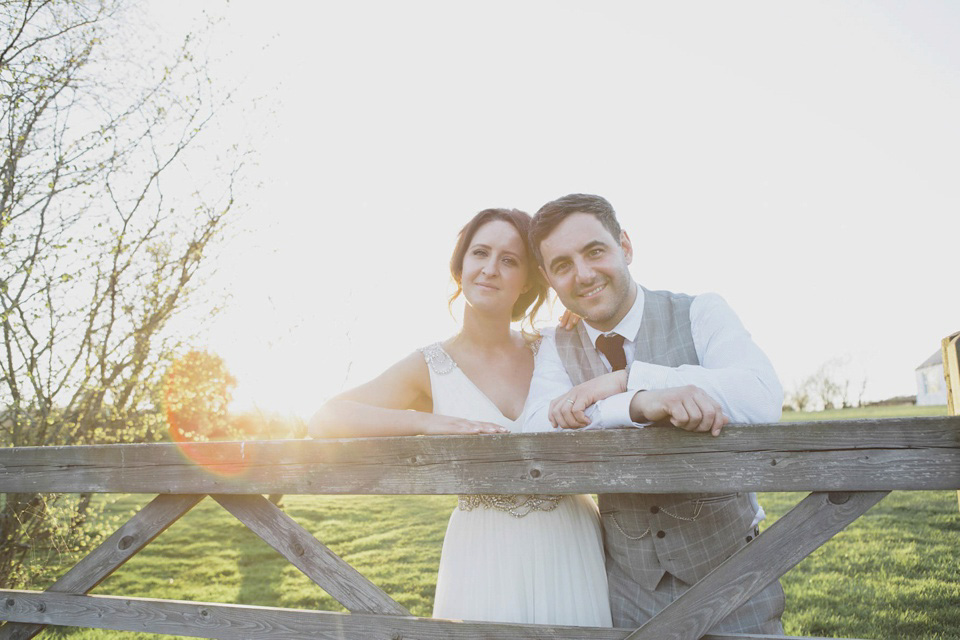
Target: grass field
x=894, y=573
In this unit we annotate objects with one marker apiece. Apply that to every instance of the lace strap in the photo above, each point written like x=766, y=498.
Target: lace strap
x=535, y=345
x=440, y=361
x=437, y=359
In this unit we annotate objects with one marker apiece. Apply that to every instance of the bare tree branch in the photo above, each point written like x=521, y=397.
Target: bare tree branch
x=101, y=240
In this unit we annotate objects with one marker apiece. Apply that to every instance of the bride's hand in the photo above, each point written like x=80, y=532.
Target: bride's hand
x=568, y=320
x=568, y=411
x=446, y=425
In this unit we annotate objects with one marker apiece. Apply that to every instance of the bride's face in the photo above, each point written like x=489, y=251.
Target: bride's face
x=495, y=267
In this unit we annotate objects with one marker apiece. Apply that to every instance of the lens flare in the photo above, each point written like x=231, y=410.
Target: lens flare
x=196, y=394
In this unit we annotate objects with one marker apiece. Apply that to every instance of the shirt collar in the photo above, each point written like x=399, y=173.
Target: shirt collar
x=629, y=327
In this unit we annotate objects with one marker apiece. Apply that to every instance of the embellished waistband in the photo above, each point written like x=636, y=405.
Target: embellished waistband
x=516, y=505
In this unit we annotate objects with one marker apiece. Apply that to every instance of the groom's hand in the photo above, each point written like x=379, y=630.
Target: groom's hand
x=688, y=408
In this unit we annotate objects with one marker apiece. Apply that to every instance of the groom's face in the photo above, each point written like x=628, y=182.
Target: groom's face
x=588, y=268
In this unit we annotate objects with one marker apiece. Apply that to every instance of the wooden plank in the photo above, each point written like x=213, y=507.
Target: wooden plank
x=758, y=636
x=206, y=620
x=816, y=519
x=230, y=622
x=896, y=453
x=344, y=583
x=847, y=470
x=153, y=519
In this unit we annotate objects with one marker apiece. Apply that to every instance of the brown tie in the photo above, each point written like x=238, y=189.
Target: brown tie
x=612, y=347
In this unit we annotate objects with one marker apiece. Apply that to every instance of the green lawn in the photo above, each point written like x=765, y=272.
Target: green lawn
x=894, y=573
x=860, y=413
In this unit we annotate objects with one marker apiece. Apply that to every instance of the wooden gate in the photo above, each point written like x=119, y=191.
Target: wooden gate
x=848, y=466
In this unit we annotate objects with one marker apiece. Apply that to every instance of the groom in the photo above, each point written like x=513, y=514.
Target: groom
x=675, y=359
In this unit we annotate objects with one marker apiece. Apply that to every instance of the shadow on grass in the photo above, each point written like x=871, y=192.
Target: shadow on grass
x=260, y=578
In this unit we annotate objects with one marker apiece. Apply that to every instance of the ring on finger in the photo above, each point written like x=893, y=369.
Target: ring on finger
x=570, y=400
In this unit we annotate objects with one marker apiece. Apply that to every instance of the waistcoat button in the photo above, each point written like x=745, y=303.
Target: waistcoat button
x=654, y=509
x=661, y=534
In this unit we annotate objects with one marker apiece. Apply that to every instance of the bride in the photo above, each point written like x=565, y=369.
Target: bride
x=506, y=558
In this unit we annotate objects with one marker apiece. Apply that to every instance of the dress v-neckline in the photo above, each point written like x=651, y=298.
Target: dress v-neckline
x=480, y=391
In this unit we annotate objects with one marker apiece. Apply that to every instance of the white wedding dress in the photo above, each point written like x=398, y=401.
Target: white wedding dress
x=528, y=559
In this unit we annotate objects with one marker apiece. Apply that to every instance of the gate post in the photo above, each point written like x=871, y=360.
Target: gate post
x=951, y=372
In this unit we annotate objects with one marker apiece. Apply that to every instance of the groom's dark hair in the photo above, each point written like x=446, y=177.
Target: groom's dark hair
x=556, y=211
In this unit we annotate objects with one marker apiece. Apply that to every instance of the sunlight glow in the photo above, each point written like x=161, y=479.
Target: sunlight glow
x=797, y=158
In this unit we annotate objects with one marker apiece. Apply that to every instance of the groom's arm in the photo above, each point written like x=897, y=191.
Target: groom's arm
x=733, y=370
x=734, y=381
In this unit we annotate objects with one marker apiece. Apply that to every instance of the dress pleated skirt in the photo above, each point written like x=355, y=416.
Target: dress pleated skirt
x=544, y=568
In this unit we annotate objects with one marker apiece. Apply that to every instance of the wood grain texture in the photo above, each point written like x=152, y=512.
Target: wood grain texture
x=153, y=519
x=231, y=622
x=344, y=583
x=816, y=519
x=864, y=455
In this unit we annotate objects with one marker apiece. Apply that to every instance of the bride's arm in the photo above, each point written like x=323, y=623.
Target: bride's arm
x=396, y=403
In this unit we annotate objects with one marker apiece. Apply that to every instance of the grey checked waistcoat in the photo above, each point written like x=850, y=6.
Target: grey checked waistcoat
x=646, y=535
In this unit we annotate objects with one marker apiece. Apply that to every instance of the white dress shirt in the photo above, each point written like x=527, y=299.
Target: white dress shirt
x=732, y=370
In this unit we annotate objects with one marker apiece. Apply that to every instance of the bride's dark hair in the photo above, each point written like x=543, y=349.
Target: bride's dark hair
x=536, y=295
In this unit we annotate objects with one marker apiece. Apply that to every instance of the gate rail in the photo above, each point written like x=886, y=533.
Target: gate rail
x=847, y=465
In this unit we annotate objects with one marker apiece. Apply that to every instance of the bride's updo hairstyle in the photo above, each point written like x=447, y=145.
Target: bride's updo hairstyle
x=537, y=294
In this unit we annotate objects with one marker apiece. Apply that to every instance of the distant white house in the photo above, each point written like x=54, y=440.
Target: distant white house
x=931, y=385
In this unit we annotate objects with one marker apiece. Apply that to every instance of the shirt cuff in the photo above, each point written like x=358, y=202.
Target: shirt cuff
x=643, y=376
x=593, y=415
x=614, y=412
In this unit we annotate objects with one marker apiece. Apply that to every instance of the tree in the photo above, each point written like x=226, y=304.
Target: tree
x=827, y=386
x=801, y=396
x=102, y=235
x=838, y=382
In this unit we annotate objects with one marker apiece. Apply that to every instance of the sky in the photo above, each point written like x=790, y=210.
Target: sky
x=800, y=159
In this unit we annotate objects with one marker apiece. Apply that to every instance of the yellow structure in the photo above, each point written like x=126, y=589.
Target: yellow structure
x=951, y=371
